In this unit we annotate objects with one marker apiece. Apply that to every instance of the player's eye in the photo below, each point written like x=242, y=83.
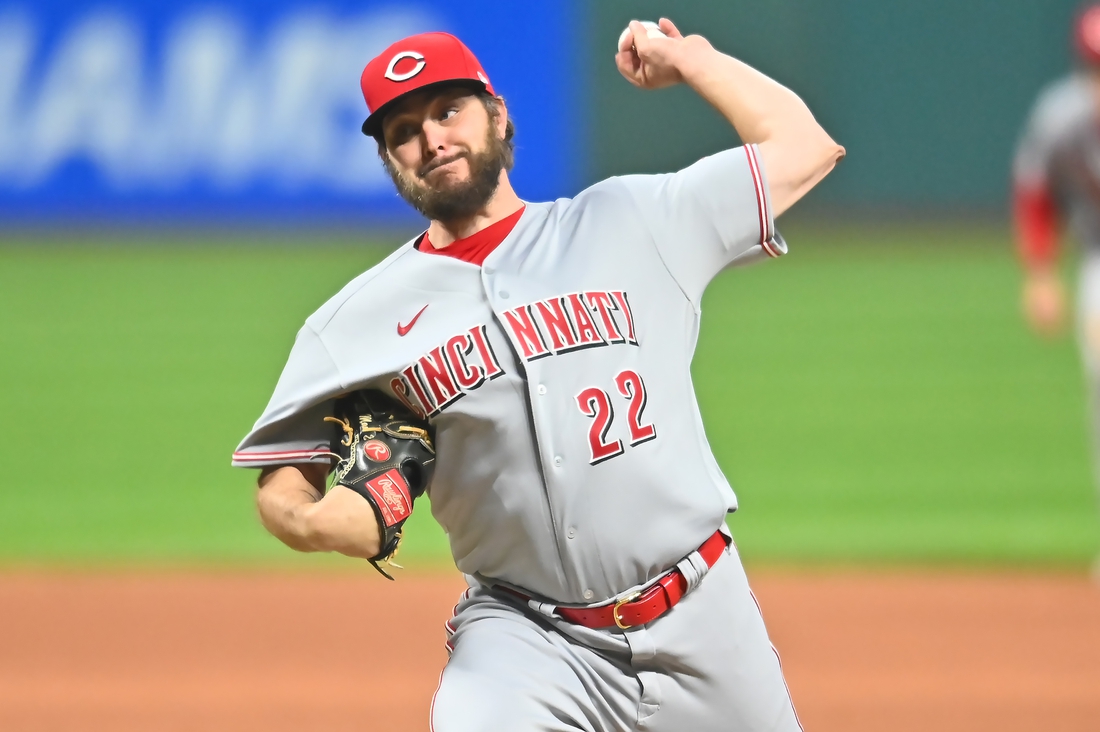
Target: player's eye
x=448, y=113
x=403, y=133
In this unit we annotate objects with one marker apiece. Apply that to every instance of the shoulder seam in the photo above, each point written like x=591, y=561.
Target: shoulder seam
x=671, y=276
x=328, y=353
x=380, y=267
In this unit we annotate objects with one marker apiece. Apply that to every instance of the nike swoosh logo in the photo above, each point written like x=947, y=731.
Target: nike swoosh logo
x=403, y=329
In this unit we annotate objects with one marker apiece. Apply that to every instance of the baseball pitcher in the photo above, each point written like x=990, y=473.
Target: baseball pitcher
x=528, y=365
x=1056, y=180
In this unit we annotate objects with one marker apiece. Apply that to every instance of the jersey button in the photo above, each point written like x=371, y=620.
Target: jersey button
x=557, y=461
x=589, y=594
x=503, y=294
x=488, y=270
x=572, y=533
x=542, y=389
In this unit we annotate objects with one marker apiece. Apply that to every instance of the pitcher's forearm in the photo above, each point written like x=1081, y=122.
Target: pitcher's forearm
x=343, y=522
x=757, y=106
x=797, y=152
x=295, y=509
x=283, y=500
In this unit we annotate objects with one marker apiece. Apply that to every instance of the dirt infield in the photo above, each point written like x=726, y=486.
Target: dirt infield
x=91, y=653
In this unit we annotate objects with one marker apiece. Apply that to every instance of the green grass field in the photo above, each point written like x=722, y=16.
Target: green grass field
x=873, y=397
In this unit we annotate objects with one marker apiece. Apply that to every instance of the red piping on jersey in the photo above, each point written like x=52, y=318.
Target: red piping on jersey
x=281, y=455
x=761, y=202
x=450, y=630
x=780, y=662
x=431, y=709
x=1036, y=216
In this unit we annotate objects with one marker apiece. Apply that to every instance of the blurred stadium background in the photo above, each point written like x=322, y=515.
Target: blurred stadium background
x=181, y=185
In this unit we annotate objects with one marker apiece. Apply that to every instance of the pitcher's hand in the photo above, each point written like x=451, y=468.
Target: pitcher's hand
x=654, y=63
x=1044, y=302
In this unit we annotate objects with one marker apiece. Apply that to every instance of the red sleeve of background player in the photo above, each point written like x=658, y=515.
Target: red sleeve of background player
x=1036, y=217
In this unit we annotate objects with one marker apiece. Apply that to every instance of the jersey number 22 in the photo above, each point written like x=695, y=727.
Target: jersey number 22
x=596, y=403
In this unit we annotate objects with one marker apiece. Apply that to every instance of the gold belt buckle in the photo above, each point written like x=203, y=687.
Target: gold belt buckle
x=615, y=610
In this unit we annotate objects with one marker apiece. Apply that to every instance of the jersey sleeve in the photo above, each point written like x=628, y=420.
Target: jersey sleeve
x=292, y=427
x=1034, y=198
x=711, y=215
x=1031, y=166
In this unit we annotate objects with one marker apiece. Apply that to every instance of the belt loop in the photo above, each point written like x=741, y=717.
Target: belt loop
x=693, y=567
x=543, y=608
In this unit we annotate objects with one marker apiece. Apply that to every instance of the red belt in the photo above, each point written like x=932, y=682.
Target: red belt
x=646, y=605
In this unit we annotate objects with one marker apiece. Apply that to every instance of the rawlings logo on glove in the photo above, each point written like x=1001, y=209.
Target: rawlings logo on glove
x=385, y=455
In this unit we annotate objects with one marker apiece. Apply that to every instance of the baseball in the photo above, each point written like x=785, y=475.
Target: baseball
x=652, y=30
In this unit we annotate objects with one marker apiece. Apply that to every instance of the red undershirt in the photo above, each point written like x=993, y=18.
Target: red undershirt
x=477, y=246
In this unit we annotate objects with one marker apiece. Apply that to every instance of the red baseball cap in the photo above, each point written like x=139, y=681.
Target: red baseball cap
x=414, y=63
x=1087, y=35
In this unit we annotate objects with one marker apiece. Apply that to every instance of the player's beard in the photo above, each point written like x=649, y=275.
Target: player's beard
x=455, y=201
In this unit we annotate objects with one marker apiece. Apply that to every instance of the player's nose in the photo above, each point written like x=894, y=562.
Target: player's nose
x=434, y=138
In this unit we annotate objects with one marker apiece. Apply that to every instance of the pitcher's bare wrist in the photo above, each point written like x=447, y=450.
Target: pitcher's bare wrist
x=696, y=58
x=344, y=522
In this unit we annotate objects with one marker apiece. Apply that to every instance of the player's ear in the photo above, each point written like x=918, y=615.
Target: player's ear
x=501, y=118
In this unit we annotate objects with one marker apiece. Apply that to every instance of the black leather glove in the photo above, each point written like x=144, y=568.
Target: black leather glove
x=387, y=456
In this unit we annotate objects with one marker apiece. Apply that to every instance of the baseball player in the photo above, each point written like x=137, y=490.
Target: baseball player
x=1057, y=179
x=545, y=349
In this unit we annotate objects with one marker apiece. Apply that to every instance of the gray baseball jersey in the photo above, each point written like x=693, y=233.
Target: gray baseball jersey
x=1060, y=151
x=572, y=460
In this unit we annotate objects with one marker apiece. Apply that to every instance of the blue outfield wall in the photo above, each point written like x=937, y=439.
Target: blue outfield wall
x=249, y=110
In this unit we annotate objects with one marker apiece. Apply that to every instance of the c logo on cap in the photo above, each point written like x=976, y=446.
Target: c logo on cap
x=394, y=76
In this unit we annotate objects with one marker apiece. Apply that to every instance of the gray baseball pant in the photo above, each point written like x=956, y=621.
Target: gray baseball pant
x=705, y=665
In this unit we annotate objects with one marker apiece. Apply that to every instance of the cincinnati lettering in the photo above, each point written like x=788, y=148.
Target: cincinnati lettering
x=571, y=322
x=447, y=373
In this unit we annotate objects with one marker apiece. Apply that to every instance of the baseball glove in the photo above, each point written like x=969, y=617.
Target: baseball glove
x=385, y=455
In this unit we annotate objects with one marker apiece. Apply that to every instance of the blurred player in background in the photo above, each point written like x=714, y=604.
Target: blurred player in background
x=1057, y=182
